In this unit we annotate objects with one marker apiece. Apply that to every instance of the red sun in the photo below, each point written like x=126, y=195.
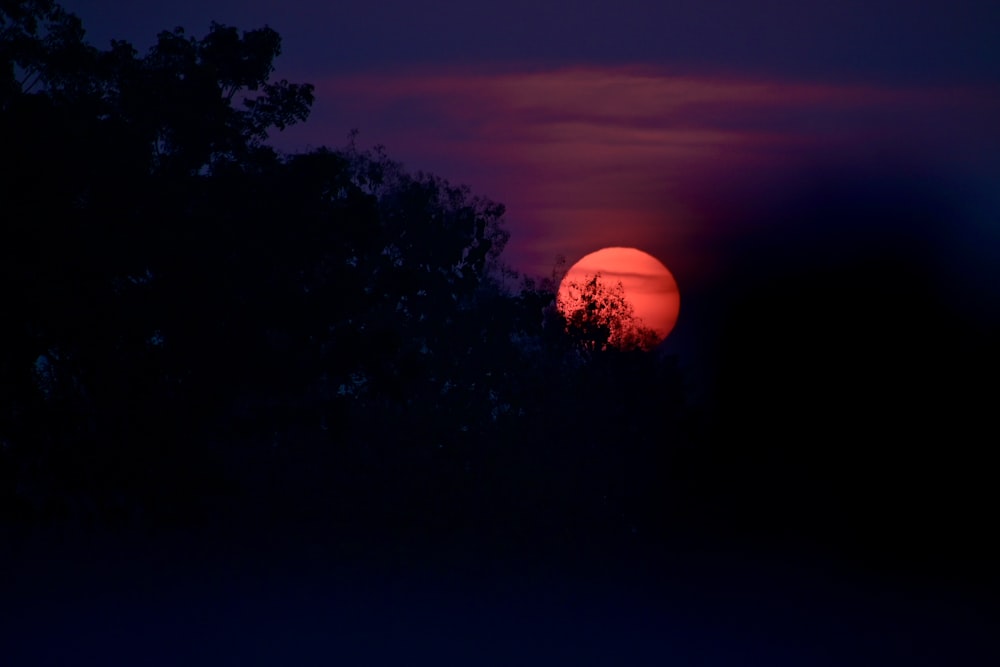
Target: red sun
x=648, y=285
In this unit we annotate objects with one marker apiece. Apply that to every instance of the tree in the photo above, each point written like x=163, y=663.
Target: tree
x=129, y=248
x=41, y=45
x=599, y=317
x=183, y=299
x=182, y=96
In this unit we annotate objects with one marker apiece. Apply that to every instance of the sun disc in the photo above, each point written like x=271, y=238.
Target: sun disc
x=648, y=285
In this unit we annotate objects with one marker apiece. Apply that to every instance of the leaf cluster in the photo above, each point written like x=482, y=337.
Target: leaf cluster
x=600, y=317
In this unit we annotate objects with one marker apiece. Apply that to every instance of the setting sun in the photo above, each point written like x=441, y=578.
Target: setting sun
x=648, y=286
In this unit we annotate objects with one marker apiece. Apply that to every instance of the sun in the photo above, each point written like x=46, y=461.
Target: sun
x=647, y=286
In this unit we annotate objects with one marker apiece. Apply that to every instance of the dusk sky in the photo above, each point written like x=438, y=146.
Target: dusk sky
x=665, y=126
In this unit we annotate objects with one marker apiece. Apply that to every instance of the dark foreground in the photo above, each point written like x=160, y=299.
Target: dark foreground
x=204, y=599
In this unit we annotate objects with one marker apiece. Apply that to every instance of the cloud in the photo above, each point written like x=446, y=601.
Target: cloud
x=585, y=157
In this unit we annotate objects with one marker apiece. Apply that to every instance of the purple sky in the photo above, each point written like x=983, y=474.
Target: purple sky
x=653, y=124
x=871, y=40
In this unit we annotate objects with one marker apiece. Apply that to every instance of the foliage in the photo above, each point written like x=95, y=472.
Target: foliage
x=189, y=103
x=600, y=317
x=40, y=45
x=191, y=313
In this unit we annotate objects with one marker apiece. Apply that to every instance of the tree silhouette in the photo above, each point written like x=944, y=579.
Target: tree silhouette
x=123, y=182
x=192, y=313
x=600, y=318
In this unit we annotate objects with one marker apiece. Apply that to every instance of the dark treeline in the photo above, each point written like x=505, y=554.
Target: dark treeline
x=195, y=326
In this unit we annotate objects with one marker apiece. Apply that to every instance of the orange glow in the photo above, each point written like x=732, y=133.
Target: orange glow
x=649, y=286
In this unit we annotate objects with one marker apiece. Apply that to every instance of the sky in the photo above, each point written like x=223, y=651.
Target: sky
x=680, y=128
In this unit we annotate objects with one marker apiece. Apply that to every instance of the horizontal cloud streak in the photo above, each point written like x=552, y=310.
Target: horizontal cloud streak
x=585, y=157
